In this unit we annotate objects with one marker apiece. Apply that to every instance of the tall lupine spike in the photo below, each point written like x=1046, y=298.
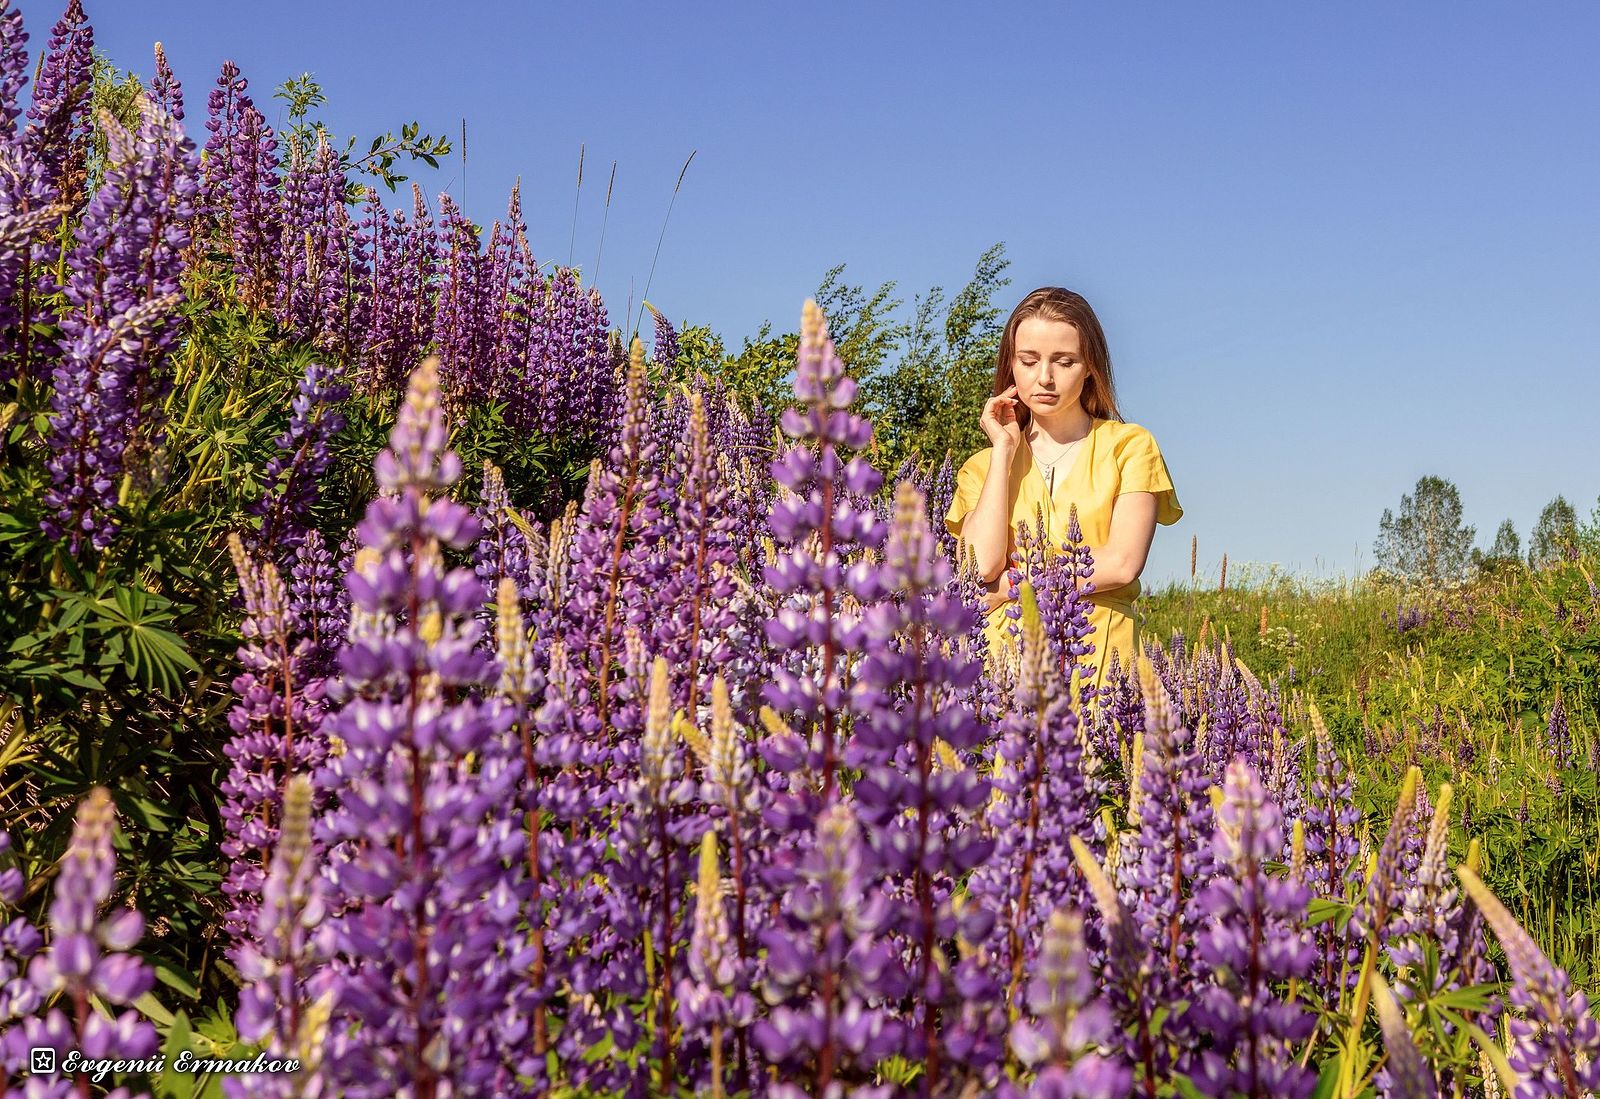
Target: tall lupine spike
x=730, y=784
x=287, y=999
x=315, y=237
x=295, y=470
x=708, y=998
x=1333, y=869
x=167, y=92
x=1256, y=944
x=1558, y=737
x=428, y=891
x=517, y=672
x=1555, y=1040
x=830, y=970
x=88, y=957
x=1167, y=858
x=1405, y=1073
x=277, y=732
x=58, y=134
x=1128, y=970
x=20, y=941
x=1073, y=1024
x=13, y=70
x=123, y=284
x=1428, y=905
x=1046, y=791
x=819, y=527
x=664, y=353
x=619, y=500
x=921, y=825
x=315, y=610
x=1372, y=915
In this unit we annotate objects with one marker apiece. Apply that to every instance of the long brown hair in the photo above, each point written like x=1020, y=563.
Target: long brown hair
x=1053, y=303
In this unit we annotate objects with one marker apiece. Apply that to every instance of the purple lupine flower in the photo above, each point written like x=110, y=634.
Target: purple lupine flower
x=466, y=313
x=123, y=284
x=1429, y=911
x=87, y=956
x=664, y=352
x=315, y=235
x=1048, y=789
x=1074, y=1027
x=1387, y=883
x=314, y=609
x=13, y=70
x=1558, y=738
x=1167, y=860
x=278, y=731
x=1555, y=1041
x=425, y=867
x=1257, y=939
x=1333, y=869
x=301, y=458
x=507, y=549
x=822, y=530
x=621, y=504
x=58, y=133
x=239, y=185
x=694, y=553
x=1130, y=966
x=19, y=942
x=165, y=89
x=650, y=870
x=921, y=821
x=285, y=1002
x=829, y=968
x=710, y=998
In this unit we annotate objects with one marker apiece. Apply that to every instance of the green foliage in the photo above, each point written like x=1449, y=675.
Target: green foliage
x=1466, y=695
x=1555, y=533
x=117, y=93
x=304, y=94
x=1426, y=542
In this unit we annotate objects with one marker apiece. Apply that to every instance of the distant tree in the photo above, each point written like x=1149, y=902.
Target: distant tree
x=861, y=336
x=1506, y=550
x=929, y=403
x=1506, y=542
x=1426, y=542
x=1554, y=534
x=761, y=371
x=923, y=400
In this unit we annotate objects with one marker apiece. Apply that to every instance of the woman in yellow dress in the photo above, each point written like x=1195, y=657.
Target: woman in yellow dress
x=1058, y=440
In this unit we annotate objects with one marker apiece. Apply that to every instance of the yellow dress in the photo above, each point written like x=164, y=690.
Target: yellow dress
x=1114, y=458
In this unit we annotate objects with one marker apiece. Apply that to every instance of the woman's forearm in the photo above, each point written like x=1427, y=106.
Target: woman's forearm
x=987, y=526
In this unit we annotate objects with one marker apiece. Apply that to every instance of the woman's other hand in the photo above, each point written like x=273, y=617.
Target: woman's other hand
x=993, y=599
x=999, y=420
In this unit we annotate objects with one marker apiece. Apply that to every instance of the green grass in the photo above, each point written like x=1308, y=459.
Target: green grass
x=1467, y=696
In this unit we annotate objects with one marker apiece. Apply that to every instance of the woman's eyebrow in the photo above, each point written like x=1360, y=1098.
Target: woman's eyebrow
x=1057, y=355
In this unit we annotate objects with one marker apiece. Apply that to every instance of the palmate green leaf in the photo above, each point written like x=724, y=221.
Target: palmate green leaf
x=154, y=658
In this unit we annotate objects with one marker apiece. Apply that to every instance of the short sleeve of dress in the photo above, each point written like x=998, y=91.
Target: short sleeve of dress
x=969, y=486
x=1143, y=469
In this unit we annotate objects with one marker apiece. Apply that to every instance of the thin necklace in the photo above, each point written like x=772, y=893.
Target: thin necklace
x=1049, y=467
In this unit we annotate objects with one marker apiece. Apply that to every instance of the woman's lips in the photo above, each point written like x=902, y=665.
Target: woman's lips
x=1044, y=396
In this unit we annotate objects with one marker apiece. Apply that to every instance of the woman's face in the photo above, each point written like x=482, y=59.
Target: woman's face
x=1048, y=366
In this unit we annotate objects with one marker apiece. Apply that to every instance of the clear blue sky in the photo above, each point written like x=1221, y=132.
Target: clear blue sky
x=1334, y=247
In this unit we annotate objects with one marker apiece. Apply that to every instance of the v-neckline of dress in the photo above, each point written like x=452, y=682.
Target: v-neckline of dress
x=1052, y=484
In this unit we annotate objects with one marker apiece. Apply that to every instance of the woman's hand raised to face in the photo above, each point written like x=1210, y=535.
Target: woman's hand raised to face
x=999, y=421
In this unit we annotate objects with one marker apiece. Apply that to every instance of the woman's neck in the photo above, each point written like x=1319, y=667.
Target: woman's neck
x=1062, y=427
